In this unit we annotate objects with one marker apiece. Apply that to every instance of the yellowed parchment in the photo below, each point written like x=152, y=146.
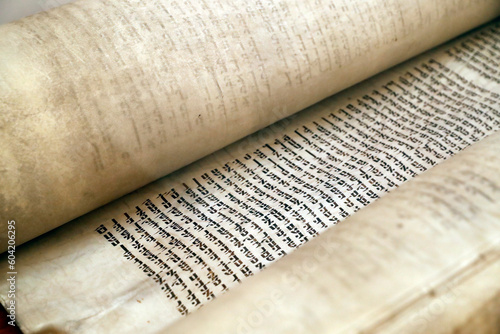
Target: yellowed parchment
x=98, y=98
x=148, y=259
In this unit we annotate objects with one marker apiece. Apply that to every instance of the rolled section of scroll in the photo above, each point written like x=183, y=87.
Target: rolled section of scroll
x=99, y=98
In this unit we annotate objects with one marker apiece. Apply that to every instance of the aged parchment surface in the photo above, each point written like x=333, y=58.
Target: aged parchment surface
x=99, y=98
x=150, y=258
